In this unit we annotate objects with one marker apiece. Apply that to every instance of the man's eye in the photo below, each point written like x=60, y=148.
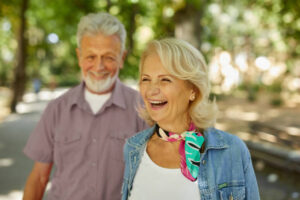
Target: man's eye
x=90, y=58
x=109, y=58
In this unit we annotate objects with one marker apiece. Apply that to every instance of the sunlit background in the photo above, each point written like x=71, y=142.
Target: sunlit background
x=252, y=49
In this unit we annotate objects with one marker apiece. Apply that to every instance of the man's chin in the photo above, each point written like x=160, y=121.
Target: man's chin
x=100, y=86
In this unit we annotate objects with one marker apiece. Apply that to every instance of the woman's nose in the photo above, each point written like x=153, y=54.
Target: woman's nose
x=154, y=89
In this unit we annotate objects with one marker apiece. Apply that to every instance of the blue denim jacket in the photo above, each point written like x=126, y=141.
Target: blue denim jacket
x=225, y=172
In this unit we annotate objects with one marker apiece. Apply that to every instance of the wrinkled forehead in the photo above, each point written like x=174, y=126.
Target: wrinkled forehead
x=148, y=54
x=103, y=34
x=101, y=43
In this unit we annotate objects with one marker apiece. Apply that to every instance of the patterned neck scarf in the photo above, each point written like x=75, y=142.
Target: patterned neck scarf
x=189, y=149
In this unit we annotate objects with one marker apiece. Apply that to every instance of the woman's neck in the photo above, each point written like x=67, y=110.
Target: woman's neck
x=175, y=127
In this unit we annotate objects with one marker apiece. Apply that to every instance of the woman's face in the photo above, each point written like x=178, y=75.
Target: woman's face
x=166, y=97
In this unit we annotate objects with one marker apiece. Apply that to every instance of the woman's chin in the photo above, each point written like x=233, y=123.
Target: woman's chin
x=156, y=118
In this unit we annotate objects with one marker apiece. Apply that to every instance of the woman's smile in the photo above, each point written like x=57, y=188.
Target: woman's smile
x=166, y=97
x=157, y=104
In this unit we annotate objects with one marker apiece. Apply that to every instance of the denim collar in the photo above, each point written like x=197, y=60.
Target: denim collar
x=213, y=138
x=141, y=138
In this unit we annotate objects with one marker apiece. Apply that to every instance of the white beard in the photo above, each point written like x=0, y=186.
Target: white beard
x=99, y=86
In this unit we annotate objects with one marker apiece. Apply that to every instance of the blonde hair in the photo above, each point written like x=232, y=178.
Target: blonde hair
x=184, y=62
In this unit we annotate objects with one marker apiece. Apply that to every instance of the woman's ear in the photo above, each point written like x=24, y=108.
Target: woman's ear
x=193, y=96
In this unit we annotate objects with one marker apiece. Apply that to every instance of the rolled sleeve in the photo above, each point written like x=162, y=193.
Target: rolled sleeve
x=39, y=146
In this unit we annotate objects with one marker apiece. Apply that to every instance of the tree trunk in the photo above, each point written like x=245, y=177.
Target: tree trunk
x=132, y=27
x=18, y=85
x=108, y=5
x=187, y=23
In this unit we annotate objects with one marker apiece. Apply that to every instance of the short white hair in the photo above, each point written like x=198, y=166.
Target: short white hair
x=185, y=62
x=101, y=22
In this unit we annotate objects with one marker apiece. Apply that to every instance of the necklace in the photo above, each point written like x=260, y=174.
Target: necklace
x=170, y=136
x=189, y=149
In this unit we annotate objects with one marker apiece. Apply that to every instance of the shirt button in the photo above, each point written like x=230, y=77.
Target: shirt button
x=94, y=140
x=203, y=162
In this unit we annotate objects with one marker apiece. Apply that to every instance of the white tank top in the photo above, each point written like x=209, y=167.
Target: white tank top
x=153, y=182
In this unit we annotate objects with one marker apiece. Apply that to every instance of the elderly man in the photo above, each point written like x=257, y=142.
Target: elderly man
x=82, y=133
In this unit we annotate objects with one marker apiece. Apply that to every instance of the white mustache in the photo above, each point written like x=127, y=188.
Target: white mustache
x=99, y=74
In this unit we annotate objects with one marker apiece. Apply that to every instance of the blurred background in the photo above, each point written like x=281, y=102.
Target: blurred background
x=252, y=49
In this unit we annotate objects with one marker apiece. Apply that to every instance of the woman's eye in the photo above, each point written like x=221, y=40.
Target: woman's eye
x=145, y=79
x=166, y=80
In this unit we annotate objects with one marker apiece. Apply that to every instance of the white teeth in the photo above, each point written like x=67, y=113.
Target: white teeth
x=156, y=102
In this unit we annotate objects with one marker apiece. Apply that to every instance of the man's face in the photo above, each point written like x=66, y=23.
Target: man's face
x=100, y=59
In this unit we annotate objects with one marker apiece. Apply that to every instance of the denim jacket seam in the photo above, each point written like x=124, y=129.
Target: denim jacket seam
x=132, y=165
x=247, y=165
x=132, y=144
x=218, y=147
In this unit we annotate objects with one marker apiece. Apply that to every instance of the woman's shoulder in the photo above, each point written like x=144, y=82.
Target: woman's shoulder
x=230, y=145
x=222, y=138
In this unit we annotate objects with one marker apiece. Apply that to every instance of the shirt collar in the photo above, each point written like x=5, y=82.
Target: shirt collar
x=116, y=98
x=77, y=98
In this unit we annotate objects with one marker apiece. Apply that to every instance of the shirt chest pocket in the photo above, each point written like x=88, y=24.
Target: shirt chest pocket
x=227, y=192
x=68, y=146
x=116, y=144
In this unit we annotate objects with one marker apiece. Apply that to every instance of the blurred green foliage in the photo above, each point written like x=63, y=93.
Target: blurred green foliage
x=259, y=27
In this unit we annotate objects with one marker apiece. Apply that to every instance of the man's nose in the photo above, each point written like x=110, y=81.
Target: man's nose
x=99, y=64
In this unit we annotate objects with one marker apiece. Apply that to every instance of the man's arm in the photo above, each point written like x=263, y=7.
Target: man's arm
x=37, y=181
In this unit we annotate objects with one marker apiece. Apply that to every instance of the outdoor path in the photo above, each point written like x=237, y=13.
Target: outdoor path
x=14, y=166
x=14, y=132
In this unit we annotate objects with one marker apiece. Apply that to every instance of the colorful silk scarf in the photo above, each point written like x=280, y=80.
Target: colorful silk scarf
x=189, y=149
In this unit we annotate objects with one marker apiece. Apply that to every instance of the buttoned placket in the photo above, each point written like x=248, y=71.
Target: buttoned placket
x=96, y=122
x=94, y=149
x=202, y=178
x=94, y=158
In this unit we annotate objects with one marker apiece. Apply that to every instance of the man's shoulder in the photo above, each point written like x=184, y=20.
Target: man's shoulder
x=131, y=96
x=66, y=98
x=128, y=91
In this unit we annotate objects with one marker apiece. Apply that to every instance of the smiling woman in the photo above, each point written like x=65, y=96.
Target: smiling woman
x=157, y=87
x=184, y=63
x=183, y=156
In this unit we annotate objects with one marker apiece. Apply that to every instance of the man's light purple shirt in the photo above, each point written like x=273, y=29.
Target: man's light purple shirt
x=86, y=148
